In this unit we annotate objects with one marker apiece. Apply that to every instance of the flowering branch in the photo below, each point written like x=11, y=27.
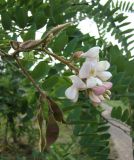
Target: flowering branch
x=31, y=44
x=44, y=95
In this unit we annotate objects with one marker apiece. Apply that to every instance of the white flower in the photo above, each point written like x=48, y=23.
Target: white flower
x=72, y=92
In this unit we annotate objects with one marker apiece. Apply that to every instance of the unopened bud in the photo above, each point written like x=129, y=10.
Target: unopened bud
x=106, y=96
x=108, y=92
x=77, y=54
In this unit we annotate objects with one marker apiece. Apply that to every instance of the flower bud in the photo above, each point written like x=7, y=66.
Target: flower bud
x=108, y=92
x=98, y=90
x=106, y=96
x=108, y=85
x=77, y=54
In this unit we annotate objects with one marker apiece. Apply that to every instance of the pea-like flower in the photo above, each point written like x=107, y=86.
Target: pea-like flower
x=93, y=76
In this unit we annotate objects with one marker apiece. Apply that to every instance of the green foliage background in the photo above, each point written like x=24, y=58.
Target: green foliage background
x=89, y=138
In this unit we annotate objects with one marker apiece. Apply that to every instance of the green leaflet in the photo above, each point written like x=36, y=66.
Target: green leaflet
x=21, y=16
x=6, y=20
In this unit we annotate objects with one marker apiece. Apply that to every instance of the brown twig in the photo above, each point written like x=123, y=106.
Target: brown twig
x=61, y=59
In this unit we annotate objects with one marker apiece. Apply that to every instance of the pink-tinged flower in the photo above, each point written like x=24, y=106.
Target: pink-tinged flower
x=100, y=90
x=95, y=74
x=72, y=92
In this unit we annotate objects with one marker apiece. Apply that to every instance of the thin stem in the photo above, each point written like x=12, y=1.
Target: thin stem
x=6, y=131
x=61, y=59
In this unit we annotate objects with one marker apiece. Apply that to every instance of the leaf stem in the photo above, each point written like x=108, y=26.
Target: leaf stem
x=61, y=59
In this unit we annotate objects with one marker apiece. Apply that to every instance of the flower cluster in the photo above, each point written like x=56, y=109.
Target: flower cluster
x=93, y=76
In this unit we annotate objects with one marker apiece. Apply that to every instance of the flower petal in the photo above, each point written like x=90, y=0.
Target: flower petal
x=103, y=65
x=77, y=82
x=94, y=98
x=92, y=82
x=91, y=53
x=76, y=98
x=99, y=82
x=99, y=90
x=72, y=93
x=88, y=68
x=84, y=70
x=104, y=76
